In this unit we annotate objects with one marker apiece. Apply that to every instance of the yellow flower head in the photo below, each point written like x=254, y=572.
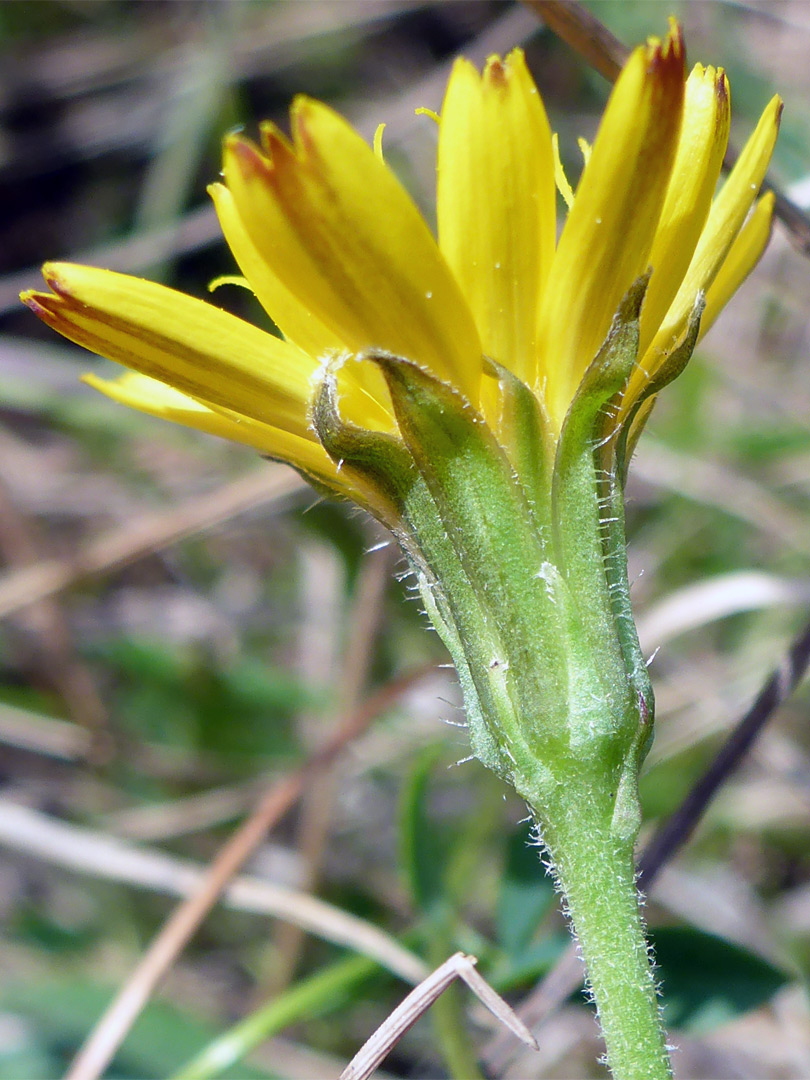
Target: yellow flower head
x=480, y=394
x=345, y=265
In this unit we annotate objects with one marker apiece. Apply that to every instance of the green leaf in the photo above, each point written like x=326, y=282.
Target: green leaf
x=318, y=995
x=524, y=970
x=424, y=845
x=527, y=894
x=162, y=1038
x=708, y=981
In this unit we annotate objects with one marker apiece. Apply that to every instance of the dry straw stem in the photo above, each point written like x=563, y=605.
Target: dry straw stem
x=416, y=1004
x=59, y=739
x=89, y=851
x=124, y=545
x=113, y=1026
x=566, y=976
x=589, y=37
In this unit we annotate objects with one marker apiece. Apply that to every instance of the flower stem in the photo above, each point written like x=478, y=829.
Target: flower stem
x=597, y=873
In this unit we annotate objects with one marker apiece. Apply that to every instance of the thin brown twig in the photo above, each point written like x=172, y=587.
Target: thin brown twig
x=127, y=543
x=678, y=828
x=55, y=656
x=566, y=975
x=589, y=37
x=585, y=34
x=113, y=1026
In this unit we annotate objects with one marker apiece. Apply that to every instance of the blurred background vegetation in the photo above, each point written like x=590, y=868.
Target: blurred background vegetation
x=180, y=631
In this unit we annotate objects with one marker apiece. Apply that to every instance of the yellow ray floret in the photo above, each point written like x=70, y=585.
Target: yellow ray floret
x=724, y=221
x=496, y=169
x=698, y=158
x=201, y=350
x=609, y=232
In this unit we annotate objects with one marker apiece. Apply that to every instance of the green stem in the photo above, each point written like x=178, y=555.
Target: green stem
x=597, y=873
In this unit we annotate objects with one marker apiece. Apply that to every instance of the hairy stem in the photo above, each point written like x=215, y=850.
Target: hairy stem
x=597, y=874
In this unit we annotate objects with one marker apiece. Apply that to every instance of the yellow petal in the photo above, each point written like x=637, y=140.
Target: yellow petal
x=727, y=214
x=157, y=399
x=698, y=160
x=342, y=234
x=496, y=202
x=191, y=345
x=740, y=261
x=607, y=238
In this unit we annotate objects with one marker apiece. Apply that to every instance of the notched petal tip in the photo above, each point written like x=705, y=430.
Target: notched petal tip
x=246, y=156
x=496, y=72
x=36, y=301
x=673, y=42
x=666, y=58
x=723, y=90
x=57, y=277
x=462, y=67
x=500, y=71
x=713, y=79
x=53, y=273
x=516, y=57
x=302, y=114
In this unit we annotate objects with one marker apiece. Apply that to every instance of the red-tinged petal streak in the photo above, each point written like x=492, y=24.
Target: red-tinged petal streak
x=191, y=345
x=607, y=238
x=725, y=219
x=745, y=253
x=496, y=202
x=295, y=320
x=698, y=160
x=341, y=233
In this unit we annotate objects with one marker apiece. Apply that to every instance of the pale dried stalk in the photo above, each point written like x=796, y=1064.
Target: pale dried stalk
x=388, y=1034
x=123, y=545
x=90, y=851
